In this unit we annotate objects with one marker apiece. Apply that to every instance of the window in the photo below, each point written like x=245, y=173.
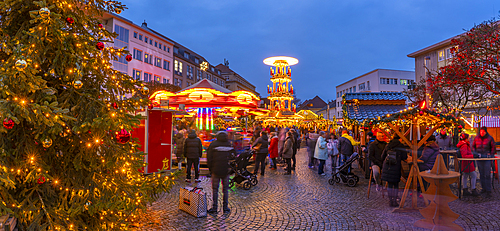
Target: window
x=361, y=87
x=166, y=81
x=427, y=61
x=156, y=44
x=441, y=55
x=140, y=37
x=180, y=83
x=176, y=50
x=146, y=39
x=448, y=53
x=166, y=65
x=405, y=81
x=159, y=45
x=350, y=90
x=150, y=42
x=164, y=48
x=137, y=54
x=354, y=89
x=157, y=62
x=209, y=77
x=157, y=79
x=147, y=77
x=388, y=81
x=168, y=49
x=186, y=55
x=190, y=72
x=187, y=84
x=338, y=94
x=196, y=60
x=199, y=75
x=122, y=33
x=178, y=67
x=216, y=80
x=148, y=58
x=137, y=74
x=135, y=34
x=222, y=83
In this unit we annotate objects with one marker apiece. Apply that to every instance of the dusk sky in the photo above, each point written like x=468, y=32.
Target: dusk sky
x=333, y=40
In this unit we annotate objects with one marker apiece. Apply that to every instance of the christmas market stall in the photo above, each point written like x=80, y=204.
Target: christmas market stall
x=311, y=120
x=414, y=126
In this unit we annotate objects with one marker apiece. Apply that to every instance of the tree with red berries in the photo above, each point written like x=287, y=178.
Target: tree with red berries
x=66, y=161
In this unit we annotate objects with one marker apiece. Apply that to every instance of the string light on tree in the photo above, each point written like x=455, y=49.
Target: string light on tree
x=77, y=84
x=46, y=143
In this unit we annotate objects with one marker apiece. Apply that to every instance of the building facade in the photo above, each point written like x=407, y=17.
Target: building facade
x=431, y=58
x=190, y=67
x=234, y=81
x=152, y=56
x=379, y=80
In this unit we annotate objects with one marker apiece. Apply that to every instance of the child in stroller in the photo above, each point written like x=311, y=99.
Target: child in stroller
x=344, y=175
x=239, y=169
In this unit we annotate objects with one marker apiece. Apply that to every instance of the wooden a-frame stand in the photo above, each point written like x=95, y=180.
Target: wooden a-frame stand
x=414, y=178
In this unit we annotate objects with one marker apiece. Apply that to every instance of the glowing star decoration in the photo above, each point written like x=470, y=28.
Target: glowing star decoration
x=44, y=12
x=47, y=143
x=21, y=64
x=201, y=96
x=166, y=166
x=244, y=99
x=204, y=66
x=77, y=84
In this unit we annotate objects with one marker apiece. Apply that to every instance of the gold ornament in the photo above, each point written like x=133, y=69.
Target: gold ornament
x=118, y=10
x=44, y=12
x=77, y=84
x=145, y=90
x=21, y=64
x=47, y=143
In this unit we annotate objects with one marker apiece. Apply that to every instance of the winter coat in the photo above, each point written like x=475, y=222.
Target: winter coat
x=484, y=145
x=321, y=151
x=345, y=146
x=179, y=141
x=375, y=151
x=465, y=152
x=443, y=142
x=264, y=144
x=392, y=173
x=192, y=147
x=333, y=147
x=296, y=143
x=311, y=143
x=288, y=148
x=273, y=147
x=219, y=153
x=429, y=155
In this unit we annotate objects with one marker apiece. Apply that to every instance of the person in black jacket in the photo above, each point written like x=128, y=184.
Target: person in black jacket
x=263, y=143
x=219, y=153
x=295, y=147
x=375, y=151
x=392, y=172
x=193, y=151
x=484, y=146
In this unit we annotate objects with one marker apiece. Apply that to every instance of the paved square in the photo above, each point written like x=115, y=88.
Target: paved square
x=305, y=201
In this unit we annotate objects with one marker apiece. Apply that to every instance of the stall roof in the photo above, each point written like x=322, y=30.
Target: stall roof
x=363, y=112
x=375, y=96
x=205, y=83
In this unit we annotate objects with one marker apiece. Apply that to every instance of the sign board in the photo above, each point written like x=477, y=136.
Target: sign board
x=164, y=103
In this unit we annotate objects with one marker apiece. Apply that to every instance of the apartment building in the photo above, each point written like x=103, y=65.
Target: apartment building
x=432, y=58
x=234, y=81
x=378, y=80
x=151, y=52
x=190, y=67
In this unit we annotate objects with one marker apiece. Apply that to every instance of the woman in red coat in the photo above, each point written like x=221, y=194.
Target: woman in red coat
x=273, y=149
x=468, y=168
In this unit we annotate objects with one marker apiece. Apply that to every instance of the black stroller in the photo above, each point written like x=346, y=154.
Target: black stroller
x=239, y=169
x=344, y=175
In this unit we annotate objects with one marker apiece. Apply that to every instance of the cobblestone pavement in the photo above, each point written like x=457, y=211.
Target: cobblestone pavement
x=305, y=201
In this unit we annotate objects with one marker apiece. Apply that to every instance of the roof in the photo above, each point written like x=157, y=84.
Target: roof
x=205, y=83
x=375, y=96
x=225, y=69
x=378, y=69
x=363, y=112
x=332, y=104
x=316, y=102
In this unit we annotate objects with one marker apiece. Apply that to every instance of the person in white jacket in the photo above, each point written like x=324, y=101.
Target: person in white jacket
x=321, y=152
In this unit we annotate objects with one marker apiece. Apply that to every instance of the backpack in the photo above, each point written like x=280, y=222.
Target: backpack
x=391, y=158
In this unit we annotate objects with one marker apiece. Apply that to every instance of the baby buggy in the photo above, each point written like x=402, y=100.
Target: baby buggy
x=344, y=175
x=239, y=169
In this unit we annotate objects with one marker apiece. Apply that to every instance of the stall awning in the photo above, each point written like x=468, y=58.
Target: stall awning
x=364, y=112
x=486, y=121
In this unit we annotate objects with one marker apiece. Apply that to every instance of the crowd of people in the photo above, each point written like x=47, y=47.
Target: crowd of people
x=385, y=156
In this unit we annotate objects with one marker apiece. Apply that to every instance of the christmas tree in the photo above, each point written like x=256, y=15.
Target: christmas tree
x=66, y=161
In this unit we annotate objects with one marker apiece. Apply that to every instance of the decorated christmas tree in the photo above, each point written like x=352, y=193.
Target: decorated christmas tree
x=66, y=158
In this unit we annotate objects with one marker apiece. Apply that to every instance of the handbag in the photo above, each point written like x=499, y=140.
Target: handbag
x=193, y=201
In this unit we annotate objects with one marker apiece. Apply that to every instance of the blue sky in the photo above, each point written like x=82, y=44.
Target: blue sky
x=334, y=41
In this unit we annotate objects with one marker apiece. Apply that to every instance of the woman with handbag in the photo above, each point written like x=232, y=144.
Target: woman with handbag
x=261, y=145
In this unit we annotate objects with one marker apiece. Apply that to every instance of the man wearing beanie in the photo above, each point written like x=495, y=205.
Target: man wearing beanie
x=484, y=146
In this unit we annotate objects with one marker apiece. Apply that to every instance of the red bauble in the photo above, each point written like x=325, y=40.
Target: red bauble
x=128, y=58
x=150, y=106
x=460, y=126
x=9, y=124
x=438, y=115
x=114, y=105
x=99, y=46
x=421, y=112
x=123, y=136
x=100, y=25
x=70, y=20
x=41, y=180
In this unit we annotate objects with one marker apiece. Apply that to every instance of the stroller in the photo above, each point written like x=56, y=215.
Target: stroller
x=239, y=169
x=343, y=175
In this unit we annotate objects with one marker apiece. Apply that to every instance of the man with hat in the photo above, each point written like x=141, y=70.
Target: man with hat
x=484, y=146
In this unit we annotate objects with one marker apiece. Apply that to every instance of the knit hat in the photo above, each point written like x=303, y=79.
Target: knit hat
x=370, y=134
x=484, y=128
x=431, y=138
